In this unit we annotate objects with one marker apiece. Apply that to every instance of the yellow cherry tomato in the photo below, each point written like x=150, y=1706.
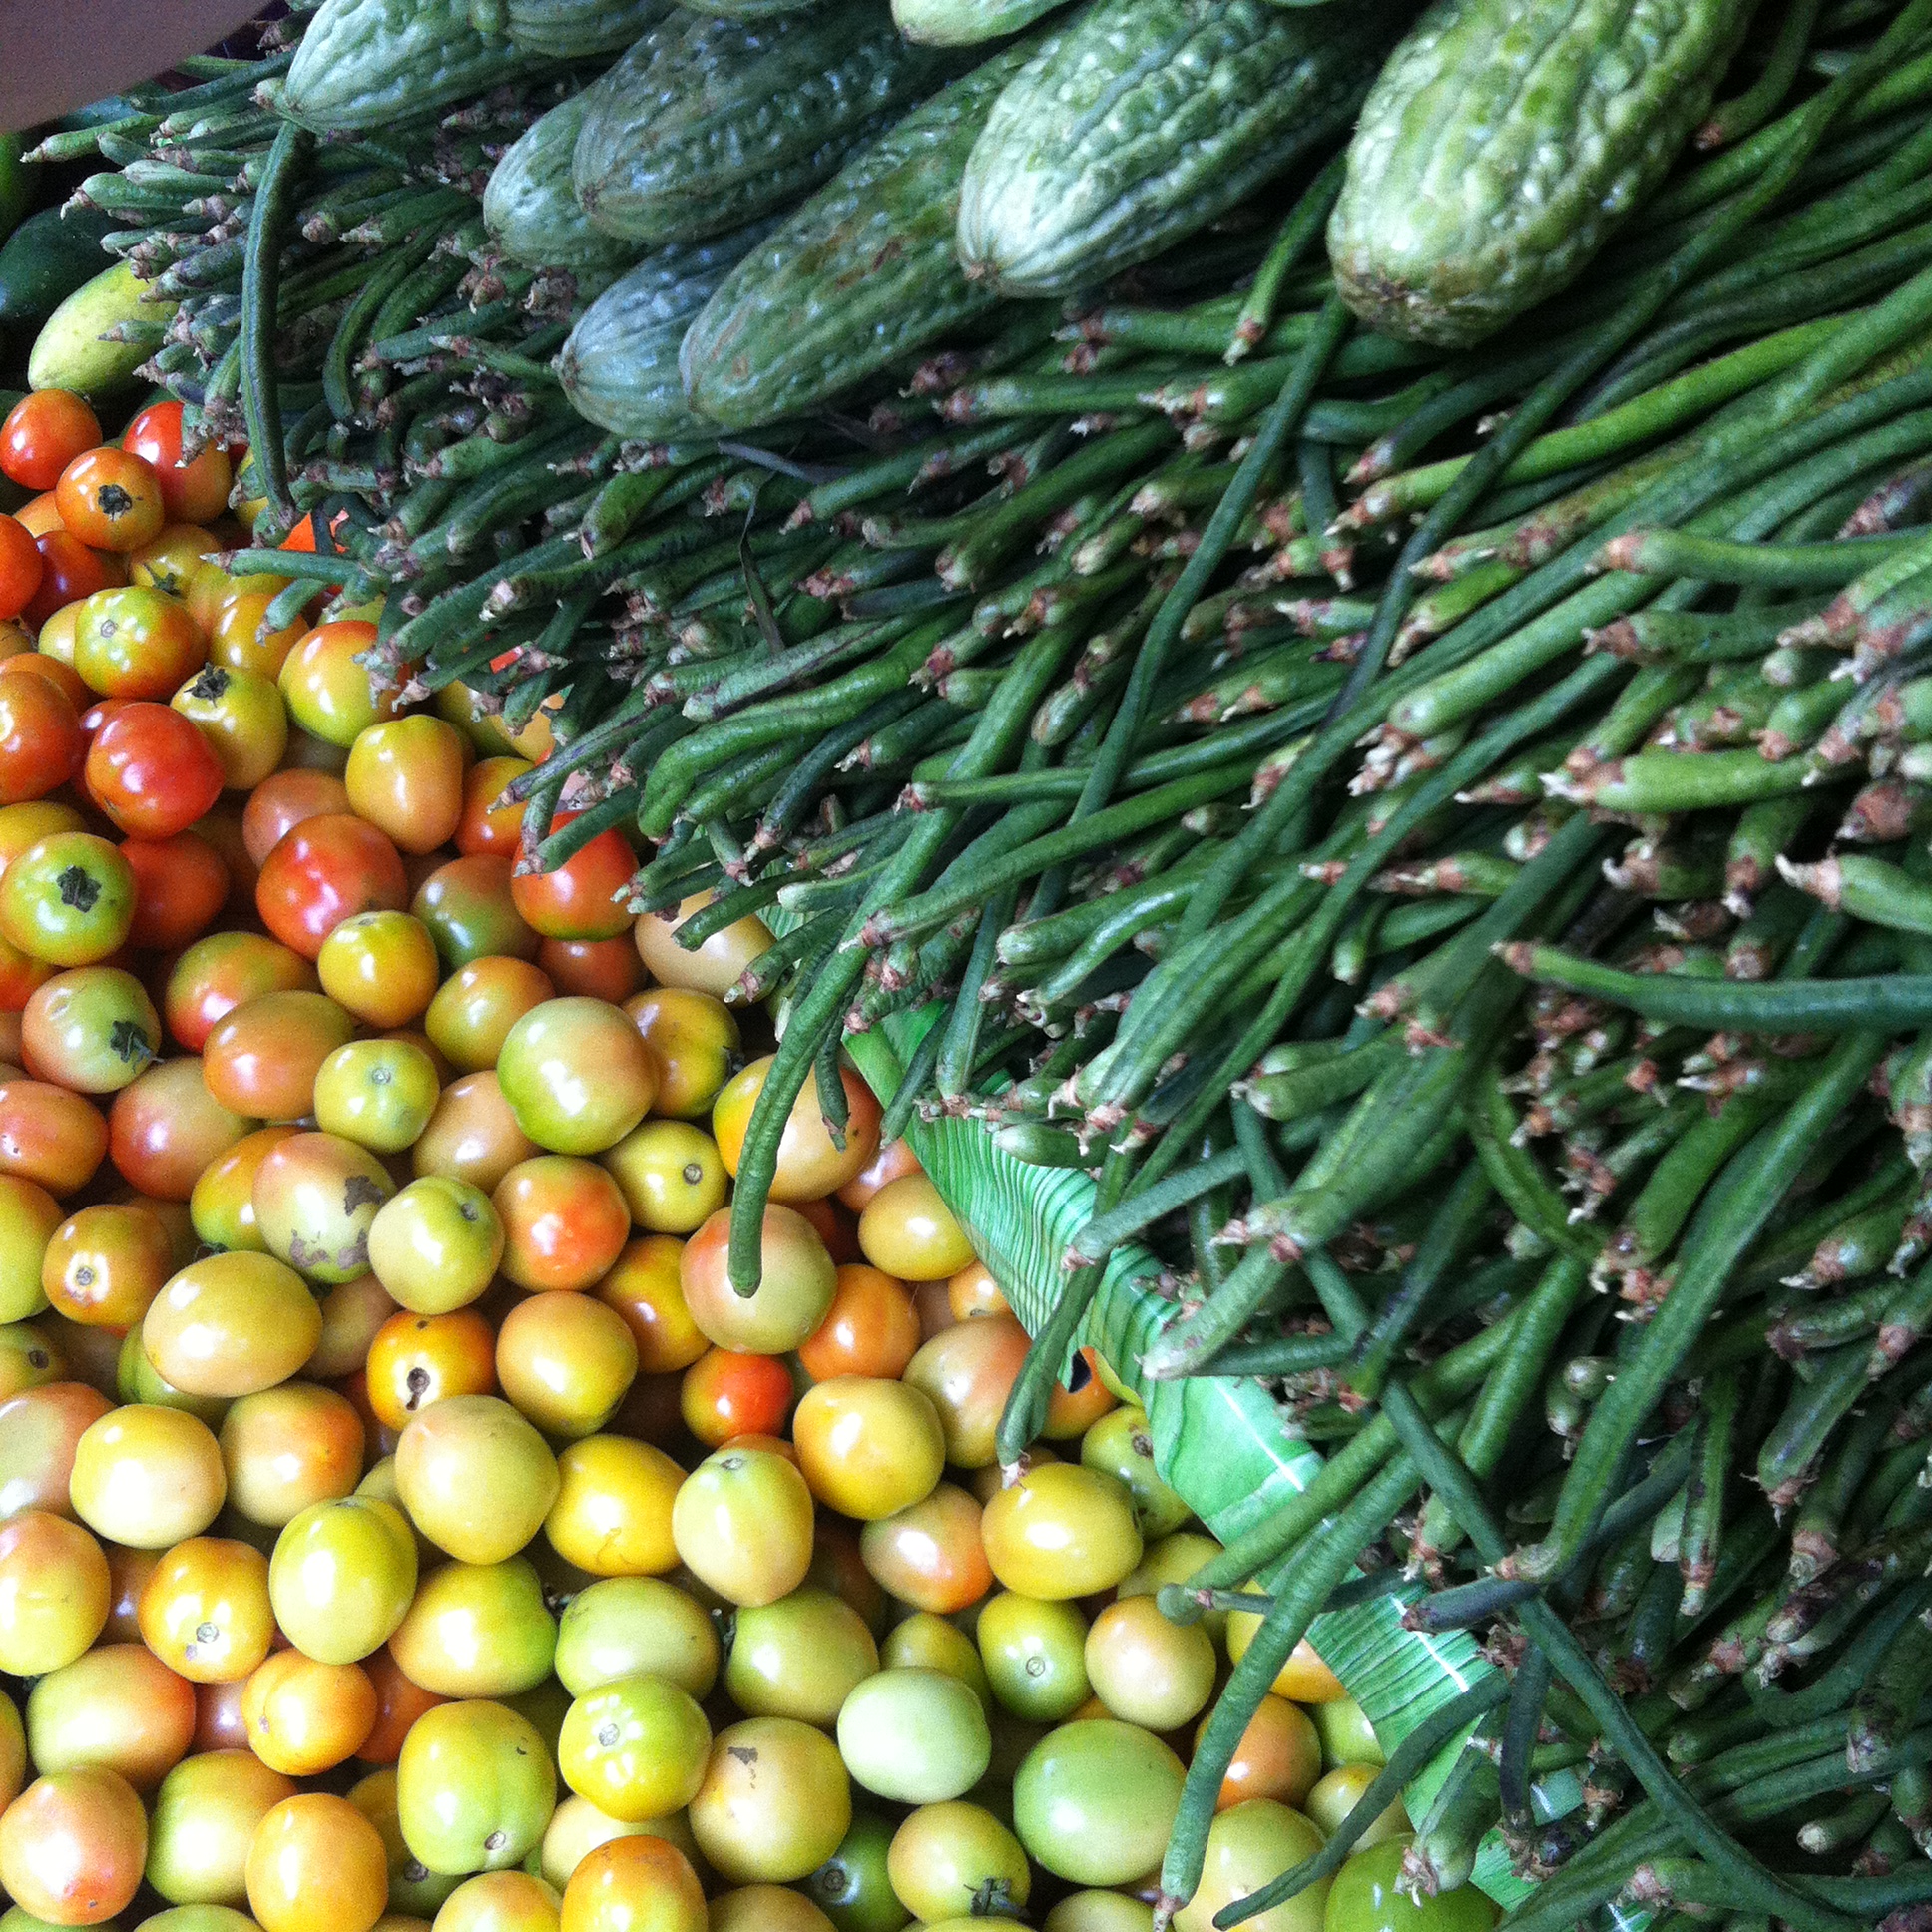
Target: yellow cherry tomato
x=1061, y=1531
x=907, y=1230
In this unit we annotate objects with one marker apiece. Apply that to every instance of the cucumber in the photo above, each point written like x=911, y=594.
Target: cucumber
x=620, y=366
x=18, y=180
x=46, y=258
x=572, y=29
x=705, y=125
x=859, y=276
x=528, y=206
x=365, y=63
x=69, y=354
x=1144, y=120
x=1501, y=144
x=961, y=23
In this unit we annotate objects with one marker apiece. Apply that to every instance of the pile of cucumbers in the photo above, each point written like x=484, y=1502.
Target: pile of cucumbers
x=1414, y=769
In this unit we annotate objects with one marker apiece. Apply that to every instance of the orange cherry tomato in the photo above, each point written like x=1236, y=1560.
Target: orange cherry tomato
x=810, y=1164
x=167, y=1126
x=180, y=888
x=634, y=1884
x=193, y=491
x=564, y=1222
x=41, y=742
x=37, y=516
x=70, y=571
x=382, y=966
x=74, y=1843
x=486, y=825
x=871, y=1329
x=49, y=1136
x=105, y=1263
x=473, y=1136
x=20, y=567
x=399, y=1701
x=205, y=1610
x=111, y=499
x=305, y=1717
x=583, y=899
x=42, y=434
x=929, y=1554
x=317, y=1864
x=282, y=802
x=419, y=1359
x=323, y=871
x=262, y=1059
x=226, y=970
x=151, y=771
x=238, y=636
x=645, y=1289
x=725, y=1394
x=406, y=776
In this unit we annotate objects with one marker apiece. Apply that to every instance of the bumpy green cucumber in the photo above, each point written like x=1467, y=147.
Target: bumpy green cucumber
x=620, y=366
x=365, y=63
x=572, y=29
x=960, y=23
x=528, y=206
x=704, y=125
x=1144, y=120
x=1504, y=141
x=861, y=276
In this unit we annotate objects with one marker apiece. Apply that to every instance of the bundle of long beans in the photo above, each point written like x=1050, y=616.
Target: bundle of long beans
x=1429, y=864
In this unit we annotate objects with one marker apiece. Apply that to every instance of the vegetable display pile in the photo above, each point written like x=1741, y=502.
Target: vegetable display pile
x=1327, y=621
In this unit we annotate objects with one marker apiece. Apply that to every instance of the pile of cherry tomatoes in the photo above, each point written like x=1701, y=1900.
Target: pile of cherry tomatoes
x=401, y=1518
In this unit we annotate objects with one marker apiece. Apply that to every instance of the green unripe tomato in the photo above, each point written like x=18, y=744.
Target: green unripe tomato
x=802, y=1656
x=477, y=1630
x=1035, y=1656
x=1095, y=1801
x=1120, y=1444
x=1098, y=1912
x=1347, y=1737
x=1363, y=1897
x=1339, y=1791
x=953, y=1857
x=377, y=1093
x=635, y=1747
x=1247, y=1846
x=342, y=1577
x=435, y=1245
x=853, y=1887
x=474, y=1787
x=623, y=1624
x=916, y=1737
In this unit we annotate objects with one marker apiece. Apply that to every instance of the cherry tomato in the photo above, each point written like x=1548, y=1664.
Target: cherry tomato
x=43, y=433
x=55, y=1593
x=382, y=966
x=180, y=884
x=91, y=1030
x=111, y=499
x=714, y=966
x=907, y=1230
x=378, y=1093
x=230, y=1324
x=289, y=1447
x=327, y=693
x=406, y=776
x=473, y=1011
x=931, y=1554
x=644, y=1288
x=73, y=1845
x=342, y=1577
x=20, y=567
x=871, y=1329
x=317, y=1864
x=66, y=899
x=164, y=1127
x=151, y=770
x=69, y=572
x=621, y=1625
x=634, y=1884
x=795, y=1290
x=601, y=969
x=564, y=1222
x=438, y=1241
x=237, y=630
x=305, y=1716
x=37, y=515
x=418, y=1359
x=205, y=1610
x=635, y=1747
x=239, y=715
x=132, y=642
x=48, y=1136
x=147, y=1476
x=868, y=1447
x=282, y=802
x=810, y=1164
x=743, y=1523
x=472, y=1135
x=968, y=1370
x=486, y=824
x=193, y=491
x=352, y=1312
x=775, y=1802
x=170, y=561
x=952, y=1859
x=469, y=905
x=476, y=1478
x=800, y=1657
x=105, y=1264
x=583, y=899
x=724, y=1394
x=205, y=1813
x=475, y=1788
x=1094, y=1802
x=223, y=971
x=567, y=1361
x=325, y=872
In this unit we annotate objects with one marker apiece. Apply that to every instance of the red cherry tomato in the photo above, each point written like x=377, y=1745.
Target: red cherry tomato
x=20, y=567
x=42, y=434
x=69, y=572
x=193, y=491
x=583, y=897
x=151, y=771
x=326, y=870
x=180, y=887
